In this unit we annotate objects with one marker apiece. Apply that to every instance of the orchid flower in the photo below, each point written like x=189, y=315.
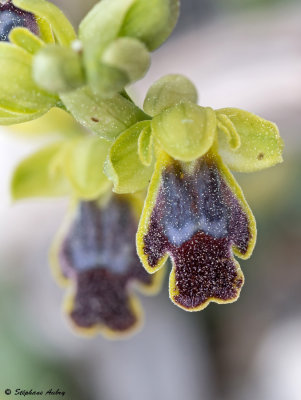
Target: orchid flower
x=195, y=212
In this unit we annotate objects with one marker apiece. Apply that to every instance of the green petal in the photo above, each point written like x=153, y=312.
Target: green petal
x=24, y=38
x=145, y=146
x=261, y=145
x=225, y=125
x=105, y=117
x=167, y=92
x=18, y=91
x=83, y=164
x=39, y=175
x=123, y=166
x=60, y=25
x=58, y=69
x=151, y=21
x=185, y=131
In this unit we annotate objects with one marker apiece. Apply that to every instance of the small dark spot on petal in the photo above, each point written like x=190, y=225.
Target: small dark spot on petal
x=260, y=156
x=94, y=119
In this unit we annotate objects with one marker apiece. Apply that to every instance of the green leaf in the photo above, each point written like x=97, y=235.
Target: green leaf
x=145, y=146
x=123, y=166
x=151, y=21
x=18, y=91
x=58, y=69
x=39, y=175
x=261, y=145
x=24, y=38
x=83, y=164
x=167, y=92
x=185, y=131
x=60, y=25
x=105, y=117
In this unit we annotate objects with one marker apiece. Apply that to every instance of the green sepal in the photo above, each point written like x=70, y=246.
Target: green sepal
x=167, y=92
x=105, y=117
x=151, y=21
x=58, y=69
x=123, y=166
x=261, y=145
x=62, y=28
x=145, y=146
x=83, y=165
x=185, y=131
x=18, y=91
x=128, y=55
x=25, y=39
x=54, y=124
x=11, y=118
x=39, y=175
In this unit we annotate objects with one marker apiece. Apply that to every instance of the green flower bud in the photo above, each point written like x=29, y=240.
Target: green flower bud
x=128, y=55
x=58, y=69
x=116, y=36
x=151, y=21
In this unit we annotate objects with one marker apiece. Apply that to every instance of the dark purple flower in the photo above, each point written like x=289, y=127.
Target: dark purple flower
x=96, y=255
x=197, y=215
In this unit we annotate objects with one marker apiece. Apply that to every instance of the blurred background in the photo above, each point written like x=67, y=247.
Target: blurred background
x=244, y=54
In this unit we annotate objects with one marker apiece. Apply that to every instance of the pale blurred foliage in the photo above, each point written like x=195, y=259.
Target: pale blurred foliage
x=241, y=57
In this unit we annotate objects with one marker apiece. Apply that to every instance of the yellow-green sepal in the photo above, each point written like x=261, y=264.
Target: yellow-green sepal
x=167, y=92
x=123, y=166
x=105, y=117
x=57, y=123
x=18, y=91
x=185, y=131
x=83, y=165
x=40, y=175
x=260, y=143
x=11, y=118
x=151, y=21
x=62, y=28
x=145, y=146
x=25, y=39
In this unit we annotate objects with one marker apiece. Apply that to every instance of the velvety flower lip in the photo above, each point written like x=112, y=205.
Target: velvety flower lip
x=196, y=214
x=12, y=17
x=96, y=252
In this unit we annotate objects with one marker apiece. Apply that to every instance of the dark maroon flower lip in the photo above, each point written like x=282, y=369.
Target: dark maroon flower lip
x=12, y=17
x=198, y=217
x=97, y=256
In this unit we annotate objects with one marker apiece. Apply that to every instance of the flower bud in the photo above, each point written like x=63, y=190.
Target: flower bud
x=58, y=69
